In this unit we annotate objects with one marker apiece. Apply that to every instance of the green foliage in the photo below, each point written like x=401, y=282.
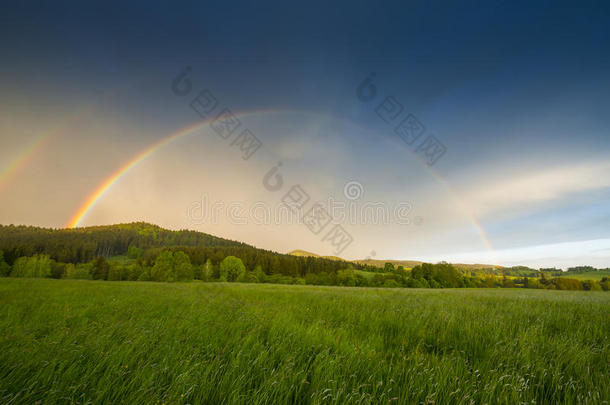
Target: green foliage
x=5, y=268
x=563, y=283
x=134, y=252
x=79, y=271
x=145, y=252
x=182, y=266
x=144, y=242
x=100, y=268
x=206, y=271
x=172, y=266
x=389, y=283
x=119, y=272
x=388, y=267
x=145, y=276
x=163, y=268
x=260, y=275
x=582, y=274
x=346, y=277
x=35, y=266
x=231, y=269
x=441, y=275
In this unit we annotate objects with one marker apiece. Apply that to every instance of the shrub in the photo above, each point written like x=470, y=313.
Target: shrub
x=172, y=266
x=231, y=268
x=35, y=266
x=563, y=283
x=100, y=269
x=80, y=271
x=118, y=272
x=5, y=268
x=390, y=284
x=134, y=252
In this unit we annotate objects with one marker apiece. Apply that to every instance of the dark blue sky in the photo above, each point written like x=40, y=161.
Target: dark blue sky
x=518, y=92
x=422, y=51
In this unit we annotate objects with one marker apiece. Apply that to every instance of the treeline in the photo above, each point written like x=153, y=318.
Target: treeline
x=175, y=265
x=83, y=245
x=144, y=252
x=524, y=271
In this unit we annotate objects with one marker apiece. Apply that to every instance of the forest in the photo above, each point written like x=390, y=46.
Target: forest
x=145, y=252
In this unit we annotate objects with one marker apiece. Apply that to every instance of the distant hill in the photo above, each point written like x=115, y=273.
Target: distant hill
x=405, y=263
x=304, y=253
x=81, y=245
x=412, y=263
x=381, y=263
x=590, y=275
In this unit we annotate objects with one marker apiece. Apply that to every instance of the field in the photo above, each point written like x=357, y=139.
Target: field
x=592, y=275
x=103, y=342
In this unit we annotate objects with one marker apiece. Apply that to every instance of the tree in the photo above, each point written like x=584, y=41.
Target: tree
x=5, y=269
x=172, y=266
x=134, y=252
x=311, y=278
x=377, y=280
x=57, y=269
x=259, y=274
x=563, y=283
x=389, y=283
x=182, y=266
x=116, y=272
x=388, y=268
x=35, y=266
x=162, y=270
x=346, y=277
x=79, y=271
x=100, y=269
x=232, y=268
x=206, y=270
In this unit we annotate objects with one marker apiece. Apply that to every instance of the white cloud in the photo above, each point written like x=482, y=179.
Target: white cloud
x=527, y=189
x=595, y=252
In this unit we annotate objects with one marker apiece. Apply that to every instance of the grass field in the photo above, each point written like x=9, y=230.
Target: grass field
x=592, y=275
x=103, y=342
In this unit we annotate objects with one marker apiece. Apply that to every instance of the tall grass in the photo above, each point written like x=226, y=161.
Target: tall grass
x=102, y=342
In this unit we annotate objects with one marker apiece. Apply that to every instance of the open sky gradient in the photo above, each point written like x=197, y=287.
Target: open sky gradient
x=91, y=131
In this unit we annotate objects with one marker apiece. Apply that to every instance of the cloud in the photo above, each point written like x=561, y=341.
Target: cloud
x=528, y=189
x=595, y=252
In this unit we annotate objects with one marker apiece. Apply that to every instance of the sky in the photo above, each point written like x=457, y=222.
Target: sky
x=475, y=132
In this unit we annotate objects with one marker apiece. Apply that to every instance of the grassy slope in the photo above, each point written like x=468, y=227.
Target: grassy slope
x=413, y=263
x=592, y=275
x=126, y=342
x=305, y=253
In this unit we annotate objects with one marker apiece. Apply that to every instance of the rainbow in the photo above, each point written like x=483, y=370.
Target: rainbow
x=102, y=188
x=26, y=156
x=98, y=193
x=455, y=195
x=22, y=159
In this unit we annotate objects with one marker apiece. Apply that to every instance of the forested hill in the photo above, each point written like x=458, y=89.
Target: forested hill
x=84, y=244
x=81, y=245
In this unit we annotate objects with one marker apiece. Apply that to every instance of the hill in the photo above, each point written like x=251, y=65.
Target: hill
x=381, y=263
x=409, y=264
x=82, y=245
x=589, y=275
x=304, y=253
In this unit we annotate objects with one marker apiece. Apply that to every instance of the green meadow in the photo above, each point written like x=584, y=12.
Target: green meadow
x=71, y=341
x=592, y=275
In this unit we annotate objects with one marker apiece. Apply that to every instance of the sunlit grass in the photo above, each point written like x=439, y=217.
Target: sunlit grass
x=103, y=342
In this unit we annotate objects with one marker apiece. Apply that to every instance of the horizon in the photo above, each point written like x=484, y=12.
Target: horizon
x=479, y=138
x=293, y=251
